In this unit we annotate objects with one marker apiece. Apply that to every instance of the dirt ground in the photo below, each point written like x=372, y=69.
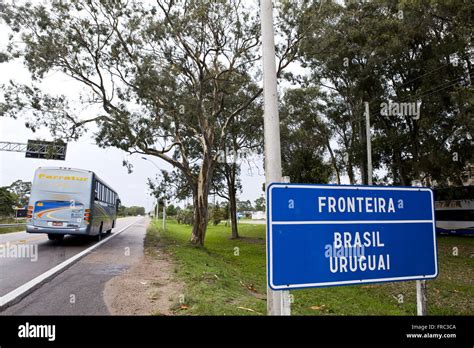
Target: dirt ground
x=147, y=288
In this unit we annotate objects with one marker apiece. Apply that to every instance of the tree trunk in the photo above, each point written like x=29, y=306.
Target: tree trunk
x=233, y=209
x=333, y=161
x=350, y=169
x=230, y=174
x=363, y=154
x=403, y=178
x=200, y=199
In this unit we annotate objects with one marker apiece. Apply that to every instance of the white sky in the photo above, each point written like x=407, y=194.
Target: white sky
x=84, y=154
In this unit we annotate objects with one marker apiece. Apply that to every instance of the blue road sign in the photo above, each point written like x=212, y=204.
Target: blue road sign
x=325, y=235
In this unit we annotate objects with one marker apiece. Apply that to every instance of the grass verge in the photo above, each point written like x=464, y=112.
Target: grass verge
x=227, y=277
x=11, y=229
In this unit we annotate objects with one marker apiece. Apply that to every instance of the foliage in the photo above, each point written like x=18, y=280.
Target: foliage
x=380, y=52
x=171, y=210
x=7, y=201
x=217, y=214
x=305, y=138
x=131, y=211
x=185, y=216
x=244, y=206
x=21, y=190
x=259, y=204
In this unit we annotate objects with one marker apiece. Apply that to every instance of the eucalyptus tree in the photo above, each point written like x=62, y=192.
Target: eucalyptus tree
x=244, y=140
x=385, y=52
x=306, y=138
x=160, y=71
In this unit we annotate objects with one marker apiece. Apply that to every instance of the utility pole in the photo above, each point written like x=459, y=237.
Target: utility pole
x=157, y=200
x=277, y=301
x=369, y=144
x=164, y=215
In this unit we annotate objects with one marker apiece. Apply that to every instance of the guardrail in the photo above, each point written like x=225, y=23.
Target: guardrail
x=13, y=225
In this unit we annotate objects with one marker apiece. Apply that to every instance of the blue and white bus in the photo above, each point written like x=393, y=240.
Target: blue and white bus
x=66, y=201
x=455, y=210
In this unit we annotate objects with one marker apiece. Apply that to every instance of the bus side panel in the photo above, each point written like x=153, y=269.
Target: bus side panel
x=102, y=213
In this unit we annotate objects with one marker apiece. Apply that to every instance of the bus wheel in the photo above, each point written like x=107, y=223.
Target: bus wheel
x=56, y=237
x=99, y=236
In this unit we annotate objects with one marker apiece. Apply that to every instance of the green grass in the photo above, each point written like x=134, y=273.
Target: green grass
x=11, y=229
x=219, y=282
x=10, y=220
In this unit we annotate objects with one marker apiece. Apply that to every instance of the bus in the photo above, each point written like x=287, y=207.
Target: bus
x=67, y=201
x=455, y=210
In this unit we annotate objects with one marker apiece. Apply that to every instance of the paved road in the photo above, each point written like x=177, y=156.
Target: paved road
x=78, y=290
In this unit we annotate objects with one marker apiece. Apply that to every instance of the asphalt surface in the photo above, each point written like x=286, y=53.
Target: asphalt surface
x=79, y=289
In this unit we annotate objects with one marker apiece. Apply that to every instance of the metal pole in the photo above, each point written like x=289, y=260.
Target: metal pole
x=156, y=210
x=164, y=215
x=277, y=301
x=421, y=297
x=369, y=144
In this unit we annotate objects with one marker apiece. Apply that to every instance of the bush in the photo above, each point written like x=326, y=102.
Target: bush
x=185, y=216
x=217, y=215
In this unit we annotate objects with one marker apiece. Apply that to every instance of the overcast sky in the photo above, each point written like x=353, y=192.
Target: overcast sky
x=84, y=154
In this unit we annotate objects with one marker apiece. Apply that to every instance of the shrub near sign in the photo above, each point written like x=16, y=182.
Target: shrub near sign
x=324, y=235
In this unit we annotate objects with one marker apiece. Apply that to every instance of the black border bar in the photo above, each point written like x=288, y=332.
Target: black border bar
x=223, y=331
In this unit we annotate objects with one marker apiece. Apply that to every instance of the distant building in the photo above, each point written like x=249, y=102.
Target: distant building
x=258, y=215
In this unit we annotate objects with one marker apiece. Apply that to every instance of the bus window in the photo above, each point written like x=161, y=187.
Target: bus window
x=101, y=192
x=96, y=191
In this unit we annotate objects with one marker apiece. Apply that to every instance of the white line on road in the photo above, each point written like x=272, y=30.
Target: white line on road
x=16, y=295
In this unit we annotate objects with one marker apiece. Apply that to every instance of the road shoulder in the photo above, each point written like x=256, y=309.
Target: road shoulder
x=147, y=288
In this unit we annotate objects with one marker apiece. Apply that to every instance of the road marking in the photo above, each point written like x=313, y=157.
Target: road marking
x=19, y=293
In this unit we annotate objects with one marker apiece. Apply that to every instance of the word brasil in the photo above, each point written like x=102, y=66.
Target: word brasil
x=355, y=262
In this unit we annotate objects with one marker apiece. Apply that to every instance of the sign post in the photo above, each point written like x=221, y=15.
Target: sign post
x=369, y=144
x=277, y=301
x=421, y=297
x=164, y=215
x=326, y=235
